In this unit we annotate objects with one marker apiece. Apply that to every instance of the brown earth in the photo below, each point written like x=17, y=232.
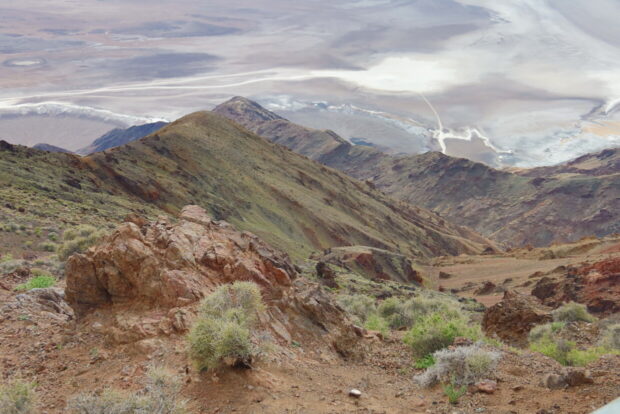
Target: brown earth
x=117, y=329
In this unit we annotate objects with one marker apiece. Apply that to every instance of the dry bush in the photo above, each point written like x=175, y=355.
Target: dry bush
x=223, y=329
x=463, y=365
x=572, y=312
x=17, y=397
x=161, y=396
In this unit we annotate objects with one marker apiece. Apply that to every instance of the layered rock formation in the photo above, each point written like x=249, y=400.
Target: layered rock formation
x=147, y=280
x=373, y=263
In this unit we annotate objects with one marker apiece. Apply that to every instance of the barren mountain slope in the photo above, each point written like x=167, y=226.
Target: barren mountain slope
x=538, y=206
x=294, y=203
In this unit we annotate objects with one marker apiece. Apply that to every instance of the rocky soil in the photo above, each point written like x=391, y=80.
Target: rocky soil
x=128, y=302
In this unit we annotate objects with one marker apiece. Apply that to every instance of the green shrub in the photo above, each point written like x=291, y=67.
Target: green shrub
x=463, y=365
x=357, y=306
x=222, y=330
x=8, y=257
x=48, y=246
x=423, y=305
x=37, y=282
x=53, y=236
x=572, y=312
x=159, y=396
x=425, y=362
x=557, y=326
x=78, y=239
x=17, y=397
x=395, y=313
x=453, y=392
x=566, y=352
x=375, y=322
x=435, y=331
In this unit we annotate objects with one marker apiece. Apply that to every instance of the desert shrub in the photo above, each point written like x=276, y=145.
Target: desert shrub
x=423, y=305
x=395, y=313
x=359, y=307
x=424, y=362
x=540, y=332
x=7, y=257
x=53, y=236
x=78, y=239
x=462, y=365
x=437, y=330
x=572, y=312
x=10, y=227
x=222, y=330
x=375, y=322
x=610, y=338
x=48, y=246
x=453, y=392
x=566, y=352
x=37, y=282
x=159, y=396
x=17, y=397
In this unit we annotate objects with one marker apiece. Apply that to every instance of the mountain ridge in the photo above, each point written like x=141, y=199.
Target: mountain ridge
x=538, y=206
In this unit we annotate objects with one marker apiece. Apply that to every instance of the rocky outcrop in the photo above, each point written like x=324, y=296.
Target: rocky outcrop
x=168, y=265
x=372, y=263
x=147, y=281
x=512, y=319
x=596, y=285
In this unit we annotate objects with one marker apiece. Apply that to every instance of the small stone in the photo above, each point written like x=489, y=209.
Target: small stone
x=355, y=393
x=486, y=386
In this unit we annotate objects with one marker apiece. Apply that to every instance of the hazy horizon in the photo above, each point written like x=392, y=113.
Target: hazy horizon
x=519, y=82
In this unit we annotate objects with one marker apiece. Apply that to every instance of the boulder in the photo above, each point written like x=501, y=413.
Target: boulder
x=487, y=288
x=514, y=316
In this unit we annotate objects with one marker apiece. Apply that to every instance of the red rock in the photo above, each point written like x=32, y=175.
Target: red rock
x=513, y=317
x=596, y=285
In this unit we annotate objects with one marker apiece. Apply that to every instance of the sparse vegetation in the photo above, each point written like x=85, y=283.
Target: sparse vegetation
x=463, y=365
x=374, y=322
x=437, y=330
x=359, y=307
x=161, y=395
x=610, y=338
x=78, y=239
x=425, y=362
x=453, y=392
x=48, y=246
x=38, y=282
x=223, y=330
x=17, y=397
x=572, y=312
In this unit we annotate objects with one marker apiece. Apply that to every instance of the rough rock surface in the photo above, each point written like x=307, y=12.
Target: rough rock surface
x=151, y=278
x=168, y=265
x=373, y=263
x=513, y=317
x=596, y=285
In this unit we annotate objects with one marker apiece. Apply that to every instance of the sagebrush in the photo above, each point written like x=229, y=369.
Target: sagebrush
x=160, y=395
x=463, y=365
x=223, y=329
x=17, y=397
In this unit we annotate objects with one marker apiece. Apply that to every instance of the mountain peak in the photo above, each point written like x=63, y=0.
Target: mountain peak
x=245, y=111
